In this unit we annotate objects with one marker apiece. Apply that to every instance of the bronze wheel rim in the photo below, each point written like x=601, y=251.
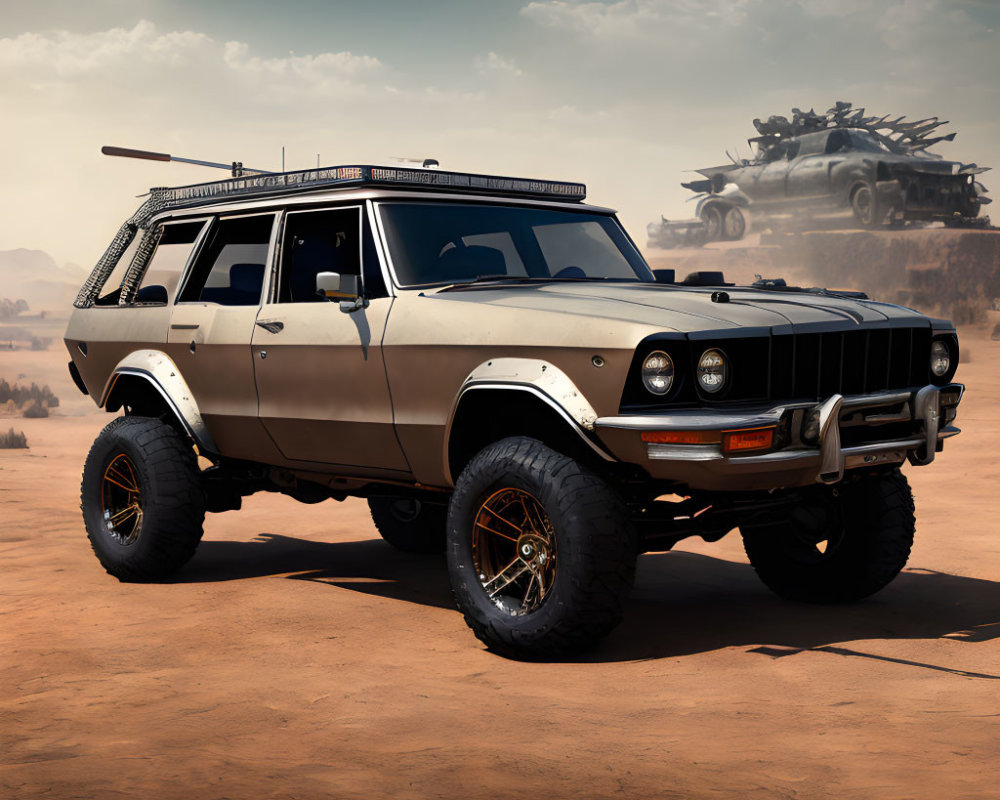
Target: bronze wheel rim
x=121, y=500
x=514, y=551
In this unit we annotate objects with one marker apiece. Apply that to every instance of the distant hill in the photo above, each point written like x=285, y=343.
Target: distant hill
x=34, y=276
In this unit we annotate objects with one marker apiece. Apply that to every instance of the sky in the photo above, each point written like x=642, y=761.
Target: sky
x=623, y=96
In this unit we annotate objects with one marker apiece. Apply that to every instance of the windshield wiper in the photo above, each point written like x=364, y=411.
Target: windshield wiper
x=480, y=279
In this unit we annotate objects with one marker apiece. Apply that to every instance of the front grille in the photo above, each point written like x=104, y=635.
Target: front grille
x=787, y=367
x=817, y=365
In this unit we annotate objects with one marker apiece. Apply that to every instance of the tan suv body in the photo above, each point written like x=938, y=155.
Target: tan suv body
x=398, y=334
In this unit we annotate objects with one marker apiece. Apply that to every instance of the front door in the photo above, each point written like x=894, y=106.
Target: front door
x=321, y=383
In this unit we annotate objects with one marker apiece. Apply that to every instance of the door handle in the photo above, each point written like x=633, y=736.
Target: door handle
x=272, y=326
x=177, y=326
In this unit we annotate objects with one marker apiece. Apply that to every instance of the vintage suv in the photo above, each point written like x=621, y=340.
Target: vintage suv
x=493, y=366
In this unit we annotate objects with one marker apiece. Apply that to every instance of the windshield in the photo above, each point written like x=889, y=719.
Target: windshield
x=863, y=140
x=442, y=243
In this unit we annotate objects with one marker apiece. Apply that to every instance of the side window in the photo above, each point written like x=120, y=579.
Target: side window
x=314, y=242
x=168, y=261
x=112, y=286
x=230, y=268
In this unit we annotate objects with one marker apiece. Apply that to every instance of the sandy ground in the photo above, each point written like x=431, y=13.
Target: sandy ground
x=298, y=656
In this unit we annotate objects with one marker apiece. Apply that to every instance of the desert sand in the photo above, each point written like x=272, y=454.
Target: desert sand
x=299, y=656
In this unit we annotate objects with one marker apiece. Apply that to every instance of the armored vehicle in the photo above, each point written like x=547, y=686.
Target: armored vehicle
x=491, y=363
x=872, y=170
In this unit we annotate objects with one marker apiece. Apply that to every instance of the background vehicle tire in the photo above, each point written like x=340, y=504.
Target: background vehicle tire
x=847, y=543
x=865, y=207
x=409, y=524
x=142, y=499
x=711, y=216
x=549, y=540
x=734, y=225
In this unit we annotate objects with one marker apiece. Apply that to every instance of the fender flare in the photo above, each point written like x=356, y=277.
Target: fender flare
x=160, y=372
x=544, y=381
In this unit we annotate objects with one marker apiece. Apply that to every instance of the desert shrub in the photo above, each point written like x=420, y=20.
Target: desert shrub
x=12, y=440
x=36, y=409
x=23, y=395
x=11, y=308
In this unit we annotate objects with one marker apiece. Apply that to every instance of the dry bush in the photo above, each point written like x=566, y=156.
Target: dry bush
x=27, y=397
x=36, y=410
x=12, y=440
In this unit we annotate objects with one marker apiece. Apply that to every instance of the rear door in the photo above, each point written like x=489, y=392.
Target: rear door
x=321, y=381
x=211, y=328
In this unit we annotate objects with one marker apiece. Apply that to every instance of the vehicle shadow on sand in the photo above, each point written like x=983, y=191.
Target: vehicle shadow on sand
x=682, y=604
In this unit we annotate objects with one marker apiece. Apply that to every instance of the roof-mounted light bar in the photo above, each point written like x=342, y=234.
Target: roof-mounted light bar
x=358, y=176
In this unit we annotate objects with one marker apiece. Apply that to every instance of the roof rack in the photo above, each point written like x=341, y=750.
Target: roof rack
x=363, y=175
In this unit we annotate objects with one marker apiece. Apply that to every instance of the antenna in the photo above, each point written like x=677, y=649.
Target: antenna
x=236, y=167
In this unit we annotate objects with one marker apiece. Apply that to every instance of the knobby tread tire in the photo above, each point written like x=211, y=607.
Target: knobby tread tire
x=424, y=535
x=877, y=535
x=173, y=501
x=596, y=551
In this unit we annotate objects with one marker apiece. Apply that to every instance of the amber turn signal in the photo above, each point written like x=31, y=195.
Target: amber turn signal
x=681, y=437
x=747, y=439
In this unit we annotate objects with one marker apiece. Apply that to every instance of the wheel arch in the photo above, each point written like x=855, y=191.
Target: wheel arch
x=149, y=382
x=520, y=397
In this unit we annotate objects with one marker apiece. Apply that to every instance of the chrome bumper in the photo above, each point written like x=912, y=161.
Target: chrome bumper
x=824, y=460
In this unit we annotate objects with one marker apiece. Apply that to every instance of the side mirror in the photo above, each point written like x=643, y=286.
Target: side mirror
x=345, y=288
x=664, y=275
x=151, y=294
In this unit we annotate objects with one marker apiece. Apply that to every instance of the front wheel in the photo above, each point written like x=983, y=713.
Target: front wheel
x=142, y=500
x=865, y=206
x=541, y=553
x=838, y=544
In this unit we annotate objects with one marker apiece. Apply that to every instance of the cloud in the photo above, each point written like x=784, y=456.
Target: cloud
x=493, y=64
x=636, y=19
x=624, y=95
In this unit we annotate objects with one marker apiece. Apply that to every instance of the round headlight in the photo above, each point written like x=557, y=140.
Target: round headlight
x=712, y=371
x=940, y=358
x=658, y=372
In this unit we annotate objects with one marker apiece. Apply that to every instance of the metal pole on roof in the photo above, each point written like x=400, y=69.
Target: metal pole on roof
x=236, y=168
x=282, y=158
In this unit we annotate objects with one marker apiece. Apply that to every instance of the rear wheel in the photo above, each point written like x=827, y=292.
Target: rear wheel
x=839, y=544
x=541, y=553
x=408, y=524
x=734, y=225
x=711, y=217
x=142, y=500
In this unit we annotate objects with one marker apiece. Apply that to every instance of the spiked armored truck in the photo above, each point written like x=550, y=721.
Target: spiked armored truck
x=492, y=365
x=870, y=171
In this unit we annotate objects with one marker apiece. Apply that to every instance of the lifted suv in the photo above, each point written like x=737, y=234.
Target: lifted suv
x=492, y=364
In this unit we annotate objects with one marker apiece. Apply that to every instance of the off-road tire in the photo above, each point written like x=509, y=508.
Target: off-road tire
x=172, y=499
x=596, y=551
x=871, y=525
x=410, y=525
x=865, y=206
x=734, y=225
x=711, y=217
